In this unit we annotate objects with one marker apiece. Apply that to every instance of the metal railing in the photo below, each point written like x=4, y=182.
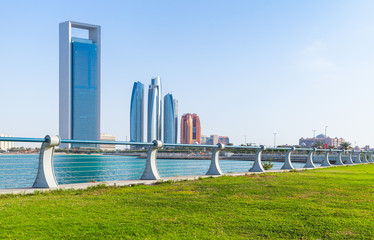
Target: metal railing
x=47, y=170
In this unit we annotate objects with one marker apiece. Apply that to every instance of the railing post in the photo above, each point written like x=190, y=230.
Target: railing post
x=364, y=160
x=326, y=162
x=287, y=161
x=150, y=171
x=309, y=163
x=46, y=177
x=214, y=168
x=370, y=157
x=357, y=159
x=257, y=165
x=339, y=159
x=349, y=159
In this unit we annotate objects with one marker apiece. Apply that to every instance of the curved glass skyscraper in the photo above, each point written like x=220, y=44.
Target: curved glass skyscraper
x=137, y=113
x=170, y=119
x=175, y=105
x=154, y=110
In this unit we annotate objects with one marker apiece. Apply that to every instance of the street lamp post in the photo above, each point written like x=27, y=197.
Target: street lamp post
x=326, y=131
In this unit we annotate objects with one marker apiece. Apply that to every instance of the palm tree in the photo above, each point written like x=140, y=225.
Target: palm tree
x=318, y=144
x=345, y=145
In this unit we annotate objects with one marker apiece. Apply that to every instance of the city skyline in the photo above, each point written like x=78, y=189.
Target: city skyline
x=285, y=58
x=154, y=112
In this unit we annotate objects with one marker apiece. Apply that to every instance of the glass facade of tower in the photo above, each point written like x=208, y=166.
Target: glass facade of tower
x=154, y=110
x=84, y=91
x=175, y=105
x=137, y=113
x=169, y=119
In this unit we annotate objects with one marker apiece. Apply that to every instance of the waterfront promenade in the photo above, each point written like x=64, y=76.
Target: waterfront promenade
x=48, y=171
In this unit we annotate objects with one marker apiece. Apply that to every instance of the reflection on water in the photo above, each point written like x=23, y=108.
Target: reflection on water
x=18, y=171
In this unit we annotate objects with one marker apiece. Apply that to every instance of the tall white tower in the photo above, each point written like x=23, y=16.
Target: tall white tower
x=154, y=110
x=79, y=99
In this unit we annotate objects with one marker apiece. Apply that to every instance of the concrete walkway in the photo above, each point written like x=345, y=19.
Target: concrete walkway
x=133, y=182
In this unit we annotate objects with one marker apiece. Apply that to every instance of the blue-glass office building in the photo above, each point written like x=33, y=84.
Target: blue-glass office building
x=175, y=106
x=79, y=84
x=154, y=110
x=84, y=92
x=137, y=113
x=170, y=119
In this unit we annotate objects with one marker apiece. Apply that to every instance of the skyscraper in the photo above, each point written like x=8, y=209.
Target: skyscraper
x=170, y=119
x=175, y=102
x=79, y=84
x=190, y=129
x=137, y=113
x=154, y=110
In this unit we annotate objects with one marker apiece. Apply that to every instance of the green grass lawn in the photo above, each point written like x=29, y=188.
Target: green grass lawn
x=329, y=203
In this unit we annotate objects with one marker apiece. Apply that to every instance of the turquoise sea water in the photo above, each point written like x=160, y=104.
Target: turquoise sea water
x=18, y=171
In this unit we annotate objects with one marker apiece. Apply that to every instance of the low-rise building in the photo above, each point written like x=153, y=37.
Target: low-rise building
x=5, y=146
x=310, y=142
x=224, y=140
x=205, y=139
x=107, y=147
x=214, y=139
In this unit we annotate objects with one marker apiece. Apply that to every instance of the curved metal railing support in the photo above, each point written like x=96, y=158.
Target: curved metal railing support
x=357, y=158
x=326, y=162
x=150, y=171
x=287, y=160
x=46, y=176
x=309, y=163
x=370, y=157
x=349, y=159
x=339, y=161
x=257, y=165
x=214, y=168
x=364, y=160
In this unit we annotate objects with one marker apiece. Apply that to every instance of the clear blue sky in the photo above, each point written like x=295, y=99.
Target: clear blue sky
x=245, y=67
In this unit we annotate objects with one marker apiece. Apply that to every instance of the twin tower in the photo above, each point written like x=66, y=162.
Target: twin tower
x=154, y=117
x=79, y=93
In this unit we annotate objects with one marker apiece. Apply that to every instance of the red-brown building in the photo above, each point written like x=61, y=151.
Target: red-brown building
x=190, y=129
